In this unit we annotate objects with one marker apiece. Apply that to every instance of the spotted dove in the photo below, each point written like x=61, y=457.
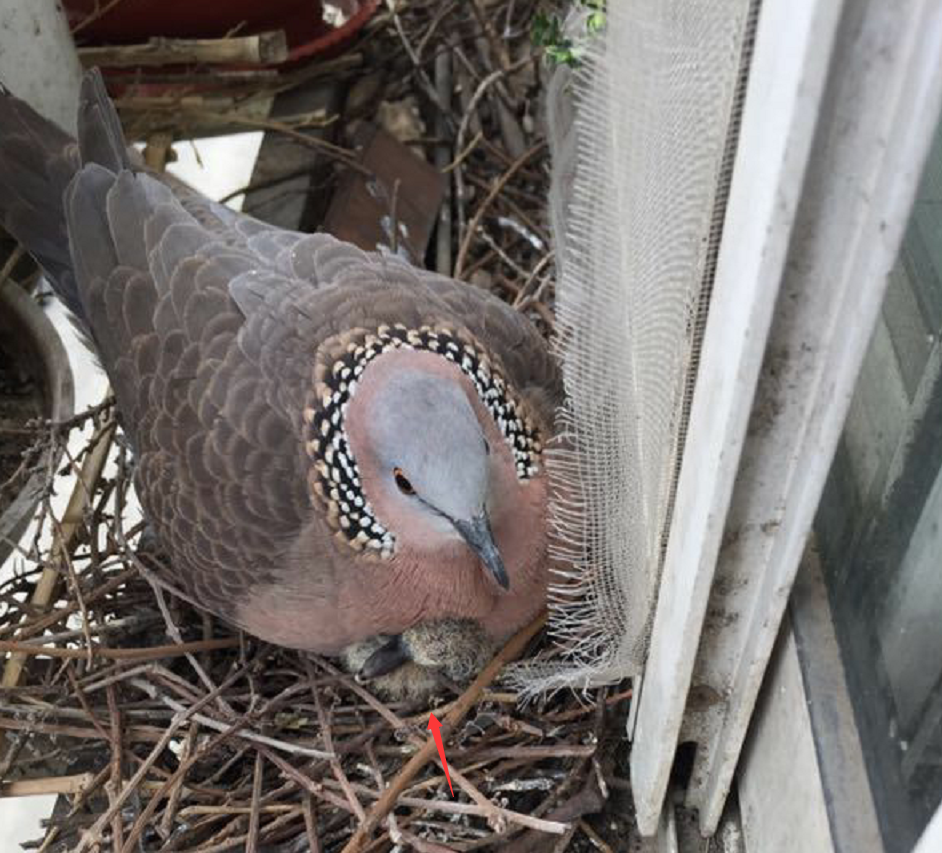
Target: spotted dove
x=333, y=447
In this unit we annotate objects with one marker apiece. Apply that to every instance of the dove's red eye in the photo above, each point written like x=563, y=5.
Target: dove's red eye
x=403, y=482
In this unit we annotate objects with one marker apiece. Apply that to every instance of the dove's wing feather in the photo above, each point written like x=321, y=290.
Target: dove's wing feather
x=219, y=464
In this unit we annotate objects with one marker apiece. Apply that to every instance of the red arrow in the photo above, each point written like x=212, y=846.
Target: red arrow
x=435, y=728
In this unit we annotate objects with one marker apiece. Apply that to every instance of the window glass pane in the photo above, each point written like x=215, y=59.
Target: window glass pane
x=880, y=533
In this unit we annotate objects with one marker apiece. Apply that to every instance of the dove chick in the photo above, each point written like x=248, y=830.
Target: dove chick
x=407, y=666
x=330, y=445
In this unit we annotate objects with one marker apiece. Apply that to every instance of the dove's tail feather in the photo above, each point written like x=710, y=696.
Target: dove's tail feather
x=38, y=160
x=101, y=140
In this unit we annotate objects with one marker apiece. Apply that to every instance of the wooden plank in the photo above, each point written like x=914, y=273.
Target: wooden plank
x=789, y=68
x=883, y=100
x=404, y=188
x=781, y=797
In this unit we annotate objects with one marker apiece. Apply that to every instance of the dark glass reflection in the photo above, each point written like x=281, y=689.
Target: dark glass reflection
x=880, y=532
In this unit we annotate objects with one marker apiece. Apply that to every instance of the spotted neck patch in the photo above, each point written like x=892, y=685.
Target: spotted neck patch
x=335, y=478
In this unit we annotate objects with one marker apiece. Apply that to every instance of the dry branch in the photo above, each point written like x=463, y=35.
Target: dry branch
x=144, y=653
x=261, y=49
x=65, y=538
x=74, y=784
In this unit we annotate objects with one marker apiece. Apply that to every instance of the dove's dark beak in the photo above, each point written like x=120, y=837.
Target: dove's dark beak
x=477, y=533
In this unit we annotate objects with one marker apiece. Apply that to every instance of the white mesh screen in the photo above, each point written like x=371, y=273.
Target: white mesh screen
x=638, y=157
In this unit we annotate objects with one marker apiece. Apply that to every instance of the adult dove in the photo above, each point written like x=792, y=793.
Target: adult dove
x=332, y=446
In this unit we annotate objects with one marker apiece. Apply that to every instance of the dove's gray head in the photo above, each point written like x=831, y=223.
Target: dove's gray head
x=426, y=461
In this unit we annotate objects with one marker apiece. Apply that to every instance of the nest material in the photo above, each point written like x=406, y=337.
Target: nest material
x=164, y=729
x=171, y=731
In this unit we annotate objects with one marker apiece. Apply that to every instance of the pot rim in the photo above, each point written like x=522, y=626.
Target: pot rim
x=19, y=310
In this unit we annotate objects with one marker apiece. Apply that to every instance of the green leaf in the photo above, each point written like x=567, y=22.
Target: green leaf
x=595, y=23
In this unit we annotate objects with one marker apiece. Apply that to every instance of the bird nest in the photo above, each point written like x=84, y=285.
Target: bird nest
x=162, y=728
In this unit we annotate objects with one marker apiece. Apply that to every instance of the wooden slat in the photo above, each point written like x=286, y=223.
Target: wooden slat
x=260, y=49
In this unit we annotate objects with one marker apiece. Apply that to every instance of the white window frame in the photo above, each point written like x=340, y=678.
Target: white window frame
x=841, y=103
x=802, y=781
x=931, y=840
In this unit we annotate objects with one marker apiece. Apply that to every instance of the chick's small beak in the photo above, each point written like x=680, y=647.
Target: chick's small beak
x=477, y=533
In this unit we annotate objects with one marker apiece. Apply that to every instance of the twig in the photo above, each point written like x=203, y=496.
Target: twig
x=116, y=626
x=525, y=288
x=177, y=637
x=394, y=217
x=240, y=840
x=113, y=785
x=93, y=835
x=596, y=839
x=310, y=824
x=419, y=70
x=562, y=844
x=66, y=558
x=341, y=155
x=444, y=9
x=83, y=701
x=501, y=253
x=41, y=624
x=209, y=722
x=254, y=811
x=275, y=808
x=493, y=814
x=304, y=782
x=464, y=154
x=420, y=845
x=98, y=12
x=145, y=816
x=176, y=791
x=72, y=519
x=479, y=93
x=448, y=807
x=268, y=183
x=498, y=47
x=7, y=270
x=91, y=413
x=495, y=191
x=335, y=765
x=443, y=86
x=77, y=804
x=143, y=734
x=144, y=653
x=158, y=150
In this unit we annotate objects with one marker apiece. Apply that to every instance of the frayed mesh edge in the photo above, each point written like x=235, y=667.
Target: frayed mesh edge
x=628, y=320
